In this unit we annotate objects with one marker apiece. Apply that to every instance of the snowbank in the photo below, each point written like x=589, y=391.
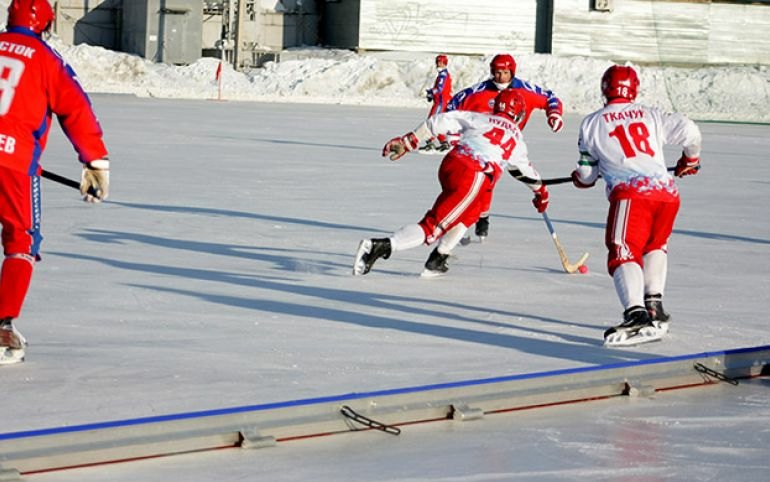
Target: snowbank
x=315, y=75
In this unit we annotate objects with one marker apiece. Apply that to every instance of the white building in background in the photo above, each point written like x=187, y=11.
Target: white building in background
x=246, y=32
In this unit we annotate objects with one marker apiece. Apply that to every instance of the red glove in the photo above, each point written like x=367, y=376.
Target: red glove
x=540, y=201
x=555, y=121
x=398, y=146
x=578, y=182
x=687, y=166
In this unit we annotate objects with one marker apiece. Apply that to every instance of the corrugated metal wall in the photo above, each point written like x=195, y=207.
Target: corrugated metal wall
x=664, y=31
x=453, y=26
x=645, y=31
x=739, y=34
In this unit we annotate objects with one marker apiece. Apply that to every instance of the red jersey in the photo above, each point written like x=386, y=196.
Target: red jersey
x=481, y=98
x=35, y=83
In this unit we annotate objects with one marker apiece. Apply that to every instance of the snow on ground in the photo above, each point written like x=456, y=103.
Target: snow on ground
x=399, y=79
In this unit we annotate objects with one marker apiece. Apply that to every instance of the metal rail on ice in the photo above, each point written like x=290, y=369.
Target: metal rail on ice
x=252, y=426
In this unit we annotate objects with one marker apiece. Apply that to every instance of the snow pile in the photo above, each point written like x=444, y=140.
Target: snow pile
x=318, y=76
x=313, y=75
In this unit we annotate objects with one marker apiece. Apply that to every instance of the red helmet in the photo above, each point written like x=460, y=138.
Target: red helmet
x=512, y=104
x=442, y=59
x=502, y=62
x=620, y=82
x=36, y=15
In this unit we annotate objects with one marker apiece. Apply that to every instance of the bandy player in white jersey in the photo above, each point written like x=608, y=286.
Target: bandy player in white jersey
x=623, y=142
x=489, y=143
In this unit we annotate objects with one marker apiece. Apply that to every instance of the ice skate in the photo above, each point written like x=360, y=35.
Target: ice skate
x=655, y=309
x=482, y=228
x=369, y=251
x=12, y=343
x=436, y=265
x=637, y=328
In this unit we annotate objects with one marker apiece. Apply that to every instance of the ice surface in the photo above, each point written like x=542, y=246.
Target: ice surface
x=218, y=275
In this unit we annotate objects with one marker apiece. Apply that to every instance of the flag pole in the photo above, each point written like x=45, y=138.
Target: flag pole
x=219, y=78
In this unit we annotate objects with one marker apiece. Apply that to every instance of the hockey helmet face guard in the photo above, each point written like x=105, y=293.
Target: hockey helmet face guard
x=442, y=59
x=620, y=82
x=512, y=104
x=36, y=15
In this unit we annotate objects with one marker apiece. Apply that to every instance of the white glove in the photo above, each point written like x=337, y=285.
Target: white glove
x=95, y=181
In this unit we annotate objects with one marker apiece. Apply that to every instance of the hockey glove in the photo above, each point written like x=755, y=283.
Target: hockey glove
x=95, y=178
x=555, y=121
x=687, y=166
x=429, y=95
x=398, y=146
x=540, y=201
x=578, y=182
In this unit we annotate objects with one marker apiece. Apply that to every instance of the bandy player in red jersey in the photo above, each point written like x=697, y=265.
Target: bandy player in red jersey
x=488, y=144
x=440, y=94
x=34, y=83
x=480, y=98
x=623, y=142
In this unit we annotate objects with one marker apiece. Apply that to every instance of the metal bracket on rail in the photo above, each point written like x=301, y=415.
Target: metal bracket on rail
x=252, y=439
x=465, y=413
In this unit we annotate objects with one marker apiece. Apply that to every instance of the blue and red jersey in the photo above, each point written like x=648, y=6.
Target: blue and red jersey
x=35, y=83
x=442, y=87
x=441, y=93
x=481, y=98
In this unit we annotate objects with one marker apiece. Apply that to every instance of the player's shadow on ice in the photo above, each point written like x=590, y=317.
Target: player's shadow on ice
x=288, y=263
x=576, y=348
x=684, y=232
x=244, y=214
x=359, y=307
x=294, y=142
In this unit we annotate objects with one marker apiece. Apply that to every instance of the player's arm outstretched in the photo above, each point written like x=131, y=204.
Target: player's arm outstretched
x=73, y=108
x=442, y=123
x=528, y=175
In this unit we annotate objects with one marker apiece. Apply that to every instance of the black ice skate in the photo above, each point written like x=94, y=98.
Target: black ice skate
x=637, y=328
x=482, y=228
x=436, y=265
x=655, y=309
x=369, y=251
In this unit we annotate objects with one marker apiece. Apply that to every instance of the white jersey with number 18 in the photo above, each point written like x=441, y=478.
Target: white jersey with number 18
x=624, y=143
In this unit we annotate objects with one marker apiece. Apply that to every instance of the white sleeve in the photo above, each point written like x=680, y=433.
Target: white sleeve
x=680, y=130
x=453, y=121
x=587, y=166
x=423, y=133
x=521, y=167
x=442, y=123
